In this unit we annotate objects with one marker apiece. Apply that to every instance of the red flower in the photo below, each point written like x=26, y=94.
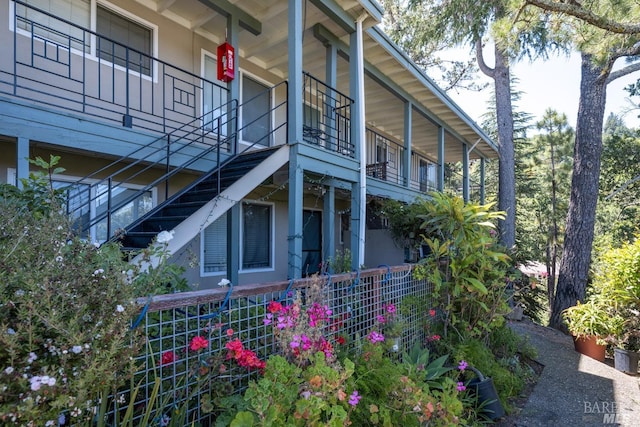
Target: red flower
x=340, y=340
x=167, y=357
x=235, y=349
x=432, y=313
x=198, y=343
x=274, y=307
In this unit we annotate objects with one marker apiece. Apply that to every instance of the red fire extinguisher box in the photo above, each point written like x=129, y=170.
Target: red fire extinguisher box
x=226, y=62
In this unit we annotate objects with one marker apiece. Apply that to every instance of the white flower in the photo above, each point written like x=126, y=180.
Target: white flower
x=35, y=383
x=10, y=331
x=165, y=236
x=49, y=423
x=50, y=381
x=9, y=370
x=98, y=271
x=119, y=308
x=19, y=293
x=224, y=282
x=32, y=357
x=77, y=349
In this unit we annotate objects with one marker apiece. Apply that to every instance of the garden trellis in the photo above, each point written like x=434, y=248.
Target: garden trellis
x=168, y=376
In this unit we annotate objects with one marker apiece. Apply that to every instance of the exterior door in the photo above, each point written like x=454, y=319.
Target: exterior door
x=311, y=242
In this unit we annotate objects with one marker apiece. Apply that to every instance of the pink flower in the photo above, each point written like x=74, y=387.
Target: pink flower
x=167, y=357
x=229, y=332
x=380, y=318
x=461, y=386
x=435, y=337
x=198, y=343
x=462, y=365
x=432, y=313
x=268, y=318
x=375, y=337
x=391, y=308
x=354, y=398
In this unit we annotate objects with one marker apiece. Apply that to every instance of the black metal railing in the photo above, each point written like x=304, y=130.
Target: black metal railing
x=327, y=117
x=198, y=146
x=64, y=65
x=385, y=158
x=206, y=144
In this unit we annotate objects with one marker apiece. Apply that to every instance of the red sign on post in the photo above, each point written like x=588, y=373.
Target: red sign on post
x=226, y=62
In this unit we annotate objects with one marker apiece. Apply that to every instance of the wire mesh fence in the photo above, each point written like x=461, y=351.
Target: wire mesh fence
x=184, y=371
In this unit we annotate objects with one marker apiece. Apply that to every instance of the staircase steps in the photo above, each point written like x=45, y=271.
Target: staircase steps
x=183, y=204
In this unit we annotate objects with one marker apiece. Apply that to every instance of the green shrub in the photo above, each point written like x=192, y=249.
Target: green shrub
x=66, y=310
x=466, y=266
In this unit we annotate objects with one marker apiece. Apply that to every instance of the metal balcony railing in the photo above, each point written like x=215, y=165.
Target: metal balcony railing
x=385, y=158
x=58, y=63
x=327, y=117
x=206, y=144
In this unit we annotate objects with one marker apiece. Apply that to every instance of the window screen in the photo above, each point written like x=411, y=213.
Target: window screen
x=128, y=43
x=256, y=236
x=215, y=246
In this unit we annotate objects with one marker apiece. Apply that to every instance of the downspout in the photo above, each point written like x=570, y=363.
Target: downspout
x=363, y=141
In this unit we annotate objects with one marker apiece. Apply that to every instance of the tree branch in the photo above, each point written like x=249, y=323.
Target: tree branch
x=576, y=10
x=623, y=72
x=490, y=72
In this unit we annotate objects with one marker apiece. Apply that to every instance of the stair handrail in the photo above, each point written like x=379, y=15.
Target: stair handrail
x=200, y=132
x=230, y=158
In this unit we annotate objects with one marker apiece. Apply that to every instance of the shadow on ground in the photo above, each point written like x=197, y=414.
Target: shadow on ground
x=574, y=390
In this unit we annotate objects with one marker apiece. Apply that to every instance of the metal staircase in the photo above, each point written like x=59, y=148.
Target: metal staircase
x=207, y=147
x=185, y=203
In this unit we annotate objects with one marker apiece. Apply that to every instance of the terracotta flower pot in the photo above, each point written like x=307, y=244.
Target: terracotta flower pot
x=588, y=345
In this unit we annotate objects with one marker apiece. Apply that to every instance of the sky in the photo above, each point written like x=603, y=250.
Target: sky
x=555, y=84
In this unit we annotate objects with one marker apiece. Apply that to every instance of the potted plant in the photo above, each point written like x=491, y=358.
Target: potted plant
x=590, y=325
x=627, y=342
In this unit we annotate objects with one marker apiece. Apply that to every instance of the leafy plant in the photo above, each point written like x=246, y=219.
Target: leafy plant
x=591, y=318
x=466, y=266
x=67, y=306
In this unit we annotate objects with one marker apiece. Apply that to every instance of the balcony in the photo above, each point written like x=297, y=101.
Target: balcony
x=60, y=64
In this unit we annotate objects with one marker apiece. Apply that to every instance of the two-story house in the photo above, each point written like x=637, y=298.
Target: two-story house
x=261, y=132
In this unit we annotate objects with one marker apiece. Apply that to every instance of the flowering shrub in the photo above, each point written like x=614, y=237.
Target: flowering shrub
x=65, y=314
x=311, y=385
x=66, y=309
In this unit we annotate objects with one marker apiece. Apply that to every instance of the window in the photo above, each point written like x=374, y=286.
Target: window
x=256, y=108
x=50, y=23
x=85, y=202
x=127, y=43
x=123, y=41
x=257, y=232
x=312, y=129
x=427, y=176
x=214, y=246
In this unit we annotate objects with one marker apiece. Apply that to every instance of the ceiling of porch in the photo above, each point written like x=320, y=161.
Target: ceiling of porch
x=384, y=109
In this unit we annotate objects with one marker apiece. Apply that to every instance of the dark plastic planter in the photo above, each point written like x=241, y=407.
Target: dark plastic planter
x=487, y=397
x=626, y=361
